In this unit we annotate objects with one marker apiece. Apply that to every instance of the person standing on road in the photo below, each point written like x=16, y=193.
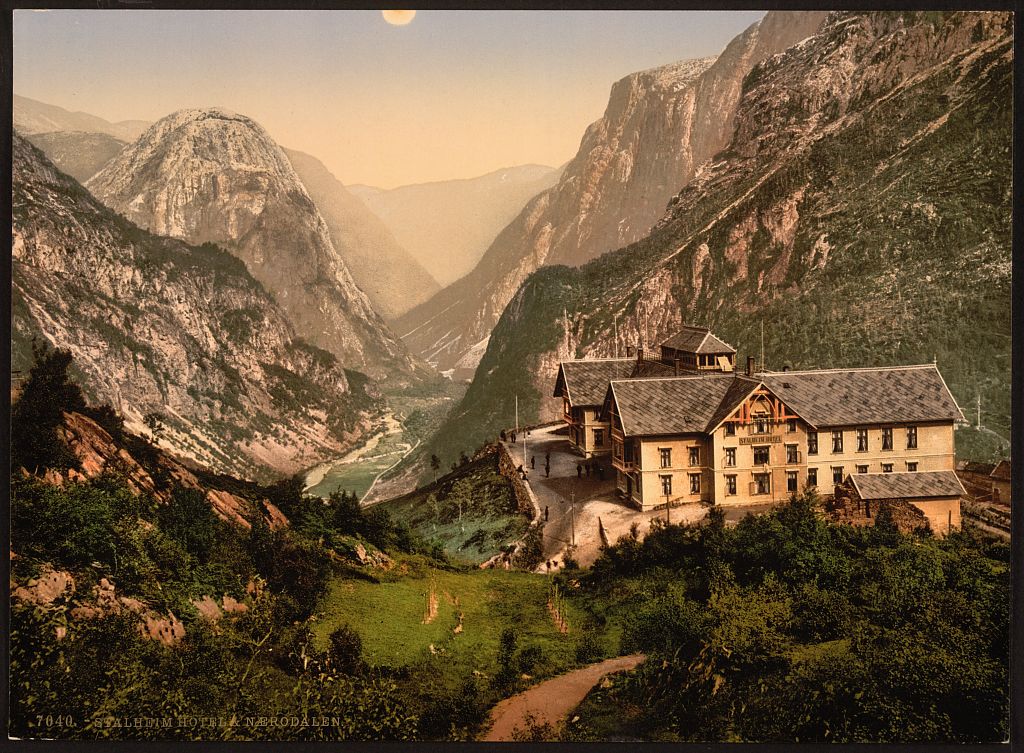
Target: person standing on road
x=545, y=513
x=533, y=462
x=547, y=470
x=579, y=471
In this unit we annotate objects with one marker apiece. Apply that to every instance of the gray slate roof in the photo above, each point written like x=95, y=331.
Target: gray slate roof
x=907, y=485
x=846, y=397
x=586, y=381
x=697, y=340
x=672, y=405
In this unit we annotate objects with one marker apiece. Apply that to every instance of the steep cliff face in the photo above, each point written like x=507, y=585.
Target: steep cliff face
x=156, y=325
x=659, y=127
x=447, y=225
x=861, y=211
x=391, y=278
x=213, y=176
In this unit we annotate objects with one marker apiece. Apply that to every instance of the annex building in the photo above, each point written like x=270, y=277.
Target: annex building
x=684, y=426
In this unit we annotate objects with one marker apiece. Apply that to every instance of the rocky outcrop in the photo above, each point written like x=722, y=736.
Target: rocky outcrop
x=156, y=325
x=389, y=275
x=858, y=212
x=659, y=127
x=214, y=176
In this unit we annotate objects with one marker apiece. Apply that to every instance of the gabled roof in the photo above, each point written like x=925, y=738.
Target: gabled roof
x=586, y=381
x=668, y=405
x=907, y=485
x=650, y=368
x=741, y=388
x=1002, y=471
x=846, y=397
x=697, y=340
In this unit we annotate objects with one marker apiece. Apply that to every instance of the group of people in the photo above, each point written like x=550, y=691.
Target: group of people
x=511, y=436
x=592, y=468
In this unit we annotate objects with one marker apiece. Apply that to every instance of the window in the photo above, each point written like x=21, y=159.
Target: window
x=762, y=483
x=911, y=437
x=837, y=441
x=887, y=439
x=695, y=456
x=791, y=425
x=694, y=483
x=761, y=455
x=760, y=425
x=791, y=481
x=886, y=467
x=730, y=429
x=837, y=474
x=912, y=467
x=812, y=443
x=812, y=476
x=862, y=469
x=792, y=454
x=666, y=485
x=599, y=437
x=862, y=440
x=730, y=485
x=730, y=456
x=666, y=456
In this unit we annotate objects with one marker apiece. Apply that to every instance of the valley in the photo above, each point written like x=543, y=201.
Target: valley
x=303, y=456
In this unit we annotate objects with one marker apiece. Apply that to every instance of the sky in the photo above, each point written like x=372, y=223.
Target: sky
x=452, y=94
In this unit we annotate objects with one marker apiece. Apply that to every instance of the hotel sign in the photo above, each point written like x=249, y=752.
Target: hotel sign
x=761, y=439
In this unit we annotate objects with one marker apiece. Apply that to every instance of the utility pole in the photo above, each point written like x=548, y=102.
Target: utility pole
x=572, y=514
x=615, y=329
x=668, y=510
x=979, y=409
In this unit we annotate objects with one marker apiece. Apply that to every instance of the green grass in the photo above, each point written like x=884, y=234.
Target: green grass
x=389, y=616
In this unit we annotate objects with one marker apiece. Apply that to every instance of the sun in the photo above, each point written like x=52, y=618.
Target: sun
x=398, y=17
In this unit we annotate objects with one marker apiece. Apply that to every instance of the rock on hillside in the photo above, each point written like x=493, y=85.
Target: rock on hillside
x=81, y=155
x=157, y=325
x=32, y=116
x=861, y=211
x=391, y=278
x=659, y=127
x=448, y=225
x=214, y=176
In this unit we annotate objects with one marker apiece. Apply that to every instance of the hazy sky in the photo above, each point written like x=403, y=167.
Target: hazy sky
x=453, y=94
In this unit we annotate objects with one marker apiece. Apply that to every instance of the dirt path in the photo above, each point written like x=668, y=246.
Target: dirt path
x=553, y=699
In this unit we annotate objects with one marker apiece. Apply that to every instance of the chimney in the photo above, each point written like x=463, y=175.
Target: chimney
x=629, y=351
x=639, y=353
x=677, y=362
x=750, y=366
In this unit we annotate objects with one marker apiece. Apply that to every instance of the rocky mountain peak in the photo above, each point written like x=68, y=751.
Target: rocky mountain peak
x=211, y=175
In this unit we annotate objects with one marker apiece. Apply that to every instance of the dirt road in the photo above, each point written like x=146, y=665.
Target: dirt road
x=552, y=700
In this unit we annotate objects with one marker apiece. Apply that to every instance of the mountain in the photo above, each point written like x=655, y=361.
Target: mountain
x=157, y=325
x=391, y=278
x=214, y=176
x=861, y=211
x=447, y=225
x=32, y=116
x=78, y=153
x=659, y=127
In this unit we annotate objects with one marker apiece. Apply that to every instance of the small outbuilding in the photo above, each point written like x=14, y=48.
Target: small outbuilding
x=937, y=494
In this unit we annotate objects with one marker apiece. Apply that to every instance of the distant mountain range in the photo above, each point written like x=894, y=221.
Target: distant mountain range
x=658, y=128
x=860, y=209
x=80, y=154
x=32, y=116
x=447, y=225
x=157, y=325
